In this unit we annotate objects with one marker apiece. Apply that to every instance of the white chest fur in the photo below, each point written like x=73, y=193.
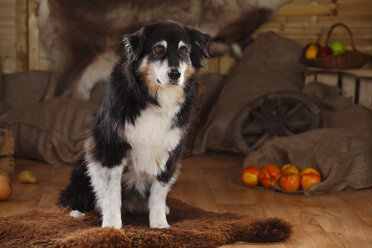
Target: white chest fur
x=153, y=135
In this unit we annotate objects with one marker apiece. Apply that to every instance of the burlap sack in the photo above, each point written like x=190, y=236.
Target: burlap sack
x=269, y=64
x=3, y=107
x=24, y=88
x=2, y=139
x=212, y=85
x=52, y=131
x=341, y=151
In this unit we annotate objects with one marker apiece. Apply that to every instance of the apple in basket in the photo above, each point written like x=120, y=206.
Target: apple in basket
x=324, y=51
x=311, y=50
x=337, y=47
x=269, y=175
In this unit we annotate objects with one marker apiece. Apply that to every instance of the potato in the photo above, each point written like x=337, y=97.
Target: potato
x=5, y=187
x=26, y=176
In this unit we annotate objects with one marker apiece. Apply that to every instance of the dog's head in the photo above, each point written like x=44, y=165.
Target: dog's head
x=166, y=53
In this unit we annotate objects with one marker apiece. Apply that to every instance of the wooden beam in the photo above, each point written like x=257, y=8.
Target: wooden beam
x=33, y=37
x=21, y=35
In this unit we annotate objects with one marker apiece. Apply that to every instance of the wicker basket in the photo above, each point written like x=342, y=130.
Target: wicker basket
x=347, y=60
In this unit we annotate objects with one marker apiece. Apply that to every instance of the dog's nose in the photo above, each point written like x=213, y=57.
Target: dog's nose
x=174, y=74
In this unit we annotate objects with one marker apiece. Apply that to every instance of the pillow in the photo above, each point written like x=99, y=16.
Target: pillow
x=24, y=88
x=52, y=131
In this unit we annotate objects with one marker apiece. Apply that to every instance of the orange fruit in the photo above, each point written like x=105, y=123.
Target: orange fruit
x=290, y=168
x=309, y=171
x=269, y=175
x=307, y=180
x=250, y=175
x=289, y=182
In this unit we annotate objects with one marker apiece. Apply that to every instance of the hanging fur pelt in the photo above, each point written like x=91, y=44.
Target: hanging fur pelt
x=83, y=38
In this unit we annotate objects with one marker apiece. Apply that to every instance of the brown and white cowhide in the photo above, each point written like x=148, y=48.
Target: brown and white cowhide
x=83, y=38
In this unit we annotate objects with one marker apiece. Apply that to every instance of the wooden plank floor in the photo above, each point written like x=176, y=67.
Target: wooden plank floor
x=212, y=182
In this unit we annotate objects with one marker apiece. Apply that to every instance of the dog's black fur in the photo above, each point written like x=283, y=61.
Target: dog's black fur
x=126, y=98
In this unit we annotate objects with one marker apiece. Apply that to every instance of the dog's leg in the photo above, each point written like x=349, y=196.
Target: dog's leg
x=158, y=194
x=157, y=204
x=106, y=184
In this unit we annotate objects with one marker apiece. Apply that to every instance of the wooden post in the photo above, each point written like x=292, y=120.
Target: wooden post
x=21, y=35
x=6, y=151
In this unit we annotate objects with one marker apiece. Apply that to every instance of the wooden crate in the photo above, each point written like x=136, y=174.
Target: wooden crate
x=6, y=151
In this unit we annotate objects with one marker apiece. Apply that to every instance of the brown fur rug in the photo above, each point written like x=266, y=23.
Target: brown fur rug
x=191, y=227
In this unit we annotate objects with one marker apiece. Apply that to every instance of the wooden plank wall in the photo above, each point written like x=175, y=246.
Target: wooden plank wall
x=308, y=21
x=302, y=20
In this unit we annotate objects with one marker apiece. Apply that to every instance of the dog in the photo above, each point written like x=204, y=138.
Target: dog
x=130, y=160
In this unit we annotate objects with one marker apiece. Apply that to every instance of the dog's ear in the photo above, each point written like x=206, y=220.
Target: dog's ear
x=199, y=46
x=133, y=43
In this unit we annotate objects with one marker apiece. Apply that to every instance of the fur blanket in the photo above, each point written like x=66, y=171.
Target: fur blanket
x=82, y=38
x=191, y=227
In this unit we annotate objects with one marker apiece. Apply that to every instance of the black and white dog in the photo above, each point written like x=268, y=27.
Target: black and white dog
x=131, y=158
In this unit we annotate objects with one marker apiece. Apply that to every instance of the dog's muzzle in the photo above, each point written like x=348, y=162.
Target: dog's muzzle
x=174, y=75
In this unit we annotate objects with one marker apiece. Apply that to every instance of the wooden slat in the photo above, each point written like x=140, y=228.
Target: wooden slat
x=350, y=21
x=7, y=5
x=7, y=14
x=306, y=9
x=352, y=9
x=7, y=29
x=8, y=51
x=8, y=65
x=7, y=39
x=343, y=1
x=337, y=33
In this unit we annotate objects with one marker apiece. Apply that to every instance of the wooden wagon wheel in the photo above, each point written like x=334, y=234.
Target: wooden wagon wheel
x=281, y=113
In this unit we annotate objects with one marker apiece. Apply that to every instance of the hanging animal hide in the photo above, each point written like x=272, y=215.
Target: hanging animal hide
x=83, y=38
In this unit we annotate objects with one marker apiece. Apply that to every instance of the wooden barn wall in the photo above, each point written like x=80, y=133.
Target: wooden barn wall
x=302, y=20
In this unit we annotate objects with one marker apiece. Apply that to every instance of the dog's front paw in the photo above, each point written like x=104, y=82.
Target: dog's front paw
x=76, y=214
x=160, y=225
x=158, y=221
x=112, y=222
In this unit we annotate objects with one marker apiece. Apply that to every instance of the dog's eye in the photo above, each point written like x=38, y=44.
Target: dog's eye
x=158, y=49
x=183, y=50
